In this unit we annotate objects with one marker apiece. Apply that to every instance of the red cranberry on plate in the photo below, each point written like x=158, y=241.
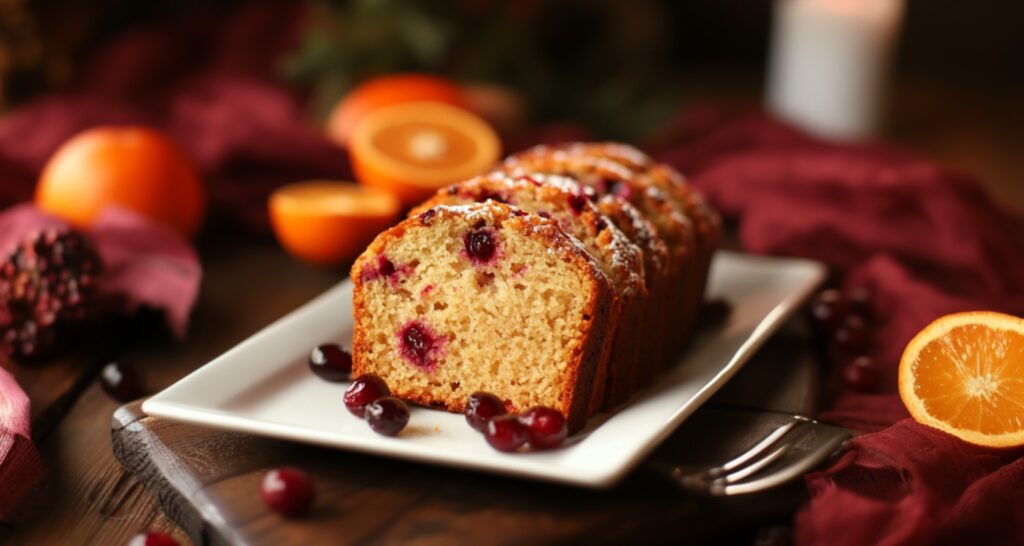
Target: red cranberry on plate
x=861, y=374
x=364, y=390
x=545, y=427
x=122, y=381
x=331, y=362
x=152, y=538
x=387, y=415
x=505, y=433
x=481, y=408
x=287, y=491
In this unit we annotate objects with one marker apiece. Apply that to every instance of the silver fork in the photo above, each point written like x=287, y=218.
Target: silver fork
x=788, y=452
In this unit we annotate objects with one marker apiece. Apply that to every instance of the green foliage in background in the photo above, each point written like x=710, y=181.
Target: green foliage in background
x=598, y=62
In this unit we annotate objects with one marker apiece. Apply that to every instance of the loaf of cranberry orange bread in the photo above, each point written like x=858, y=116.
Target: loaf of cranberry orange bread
x=568, y=204
x=481, y=297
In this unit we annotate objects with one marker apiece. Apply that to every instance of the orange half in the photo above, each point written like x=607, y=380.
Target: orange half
x=413, y=149
x=964, y=374
x=328, y=223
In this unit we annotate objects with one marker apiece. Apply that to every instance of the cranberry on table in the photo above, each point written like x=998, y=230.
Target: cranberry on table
x=829, y=308
x=331, y=362
x=853, y=335
x=481, y=408
x=860, y=302
x=506, y=433
x=861, y=374
x=152, y=538
x=364, y=390
x=545, y=427
x=122, y=381
x=387, y=415
x=287, y=491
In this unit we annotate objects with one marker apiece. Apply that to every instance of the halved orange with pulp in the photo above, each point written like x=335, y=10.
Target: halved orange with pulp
x=384, y=91
x=327, y=223
x=964, y=374
x=415, y=148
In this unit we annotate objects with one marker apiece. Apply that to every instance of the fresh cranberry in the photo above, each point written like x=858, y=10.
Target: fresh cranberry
x=152, y=538
x=861, y=374
x=287, y=491
x=385, y=267
x=576, y=202
x=829, y=309
x=505, y=433
x=418, y=345
x=860, y=302
x=480, y=245
x=387, y=416
x=481, y=408
x=122, y=381
x=364, y=390
x=853, y=336
x=427, y=216
x=331, y=362
x=545, y=427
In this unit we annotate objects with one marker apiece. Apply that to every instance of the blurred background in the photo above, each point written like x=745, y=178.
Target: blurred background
x=618, y=69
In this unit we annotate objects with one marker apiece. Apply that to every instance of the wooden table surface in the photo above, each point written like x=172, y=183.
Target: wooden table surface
x=87, y=498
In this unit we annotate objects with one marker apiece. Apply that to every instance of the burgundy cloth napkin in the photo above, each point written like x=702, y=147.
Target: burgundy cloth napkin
x=927, y=241
x=20, y=465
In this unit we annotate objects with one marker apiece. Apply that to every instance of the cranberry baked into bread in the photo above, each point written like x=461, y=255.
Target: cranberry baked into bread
x=481, y=297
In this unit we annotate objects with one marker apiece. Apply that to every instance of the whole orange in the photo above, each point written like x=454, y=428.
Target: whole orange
x=386, y=91
x=133, y=167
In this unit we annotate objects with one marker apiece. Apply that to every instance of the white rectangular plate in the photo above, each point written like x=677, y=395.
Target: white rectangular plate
x=263, y=385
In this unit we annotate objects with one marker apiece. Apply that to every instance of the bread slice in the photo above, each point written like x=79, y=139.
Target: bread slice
x=608, y=177
x=481, y=297
x=566, y=202
x=706, y=221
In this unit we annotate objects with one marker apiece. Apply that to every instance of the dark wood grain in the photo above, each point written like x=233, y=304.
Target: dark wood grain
x=208, y=480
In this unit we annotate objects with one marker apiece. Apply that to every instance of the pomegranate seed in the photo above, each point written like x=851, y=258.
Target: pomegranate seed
x=505, y=433
x=331, y=362
x=387, y=416
x=364, y=390
x=122, y=381
x=829, y=309
x=152, y=538
x=853, y=336
x=545, y=427
x=287, y=491
x=481, y=408
x=861, y=374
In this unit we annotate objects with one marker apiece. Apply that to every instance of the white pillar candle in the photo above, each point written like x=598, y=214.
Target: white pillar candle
x=829, y=61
